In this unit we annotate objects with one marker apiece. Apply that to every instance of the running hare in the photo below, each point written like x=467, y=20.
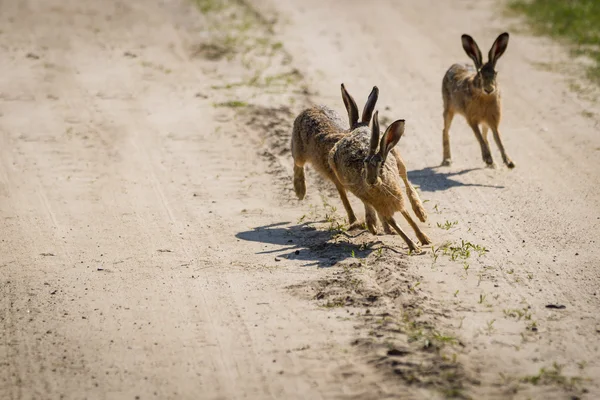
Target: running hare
x=316, y=130
x=413, y=197
x=475, y=95
x=364, y=171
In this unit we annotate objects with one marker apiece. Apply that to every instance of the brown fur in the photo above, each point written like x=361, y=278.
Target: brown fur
x=413, y=197
x=348, y=159
x=474, y=94
x=316, y=130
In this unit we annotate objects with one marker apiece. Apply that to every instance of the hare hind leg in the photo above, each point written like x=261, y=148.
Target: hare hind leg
x=448, y=117
x=299, y=181
x=411, y=245
x=412, y=194
x=423, y=238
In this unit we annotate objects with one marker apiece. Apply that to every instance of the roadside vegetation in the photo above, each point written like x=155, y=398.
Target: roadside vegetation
x=576, y=21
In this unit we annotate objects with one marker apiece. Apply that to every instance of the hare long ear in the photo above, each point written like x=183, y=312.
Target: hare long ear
x=370, y=106
x=374, y=134
x=350, y=107
x=391, y=137
x=472, y=50
x=498, y=48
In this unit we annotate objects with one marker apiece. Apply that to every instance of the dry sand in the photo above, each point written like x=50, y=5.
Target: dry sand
x=151, y=245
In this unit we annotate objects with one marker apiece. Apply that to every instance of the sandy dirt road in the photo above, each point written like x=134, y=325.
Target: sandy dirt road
x=151, y=246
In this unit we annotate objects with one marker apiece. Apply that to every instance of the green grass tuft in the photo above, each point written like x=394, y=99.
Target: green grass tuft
x=206, y=6
x=555, y=376
x=231, y=104
x=578, y=21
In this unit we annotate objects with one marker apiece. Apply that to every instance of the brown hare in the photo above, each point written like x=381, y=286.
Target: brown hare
x=475, y=95
x=316, y=130
x=363, y=170
x=413, y=197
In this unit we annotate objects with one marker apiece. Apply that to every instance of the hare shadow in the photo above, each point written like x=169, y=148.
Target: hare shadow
x=430, y=179
x=304, y=242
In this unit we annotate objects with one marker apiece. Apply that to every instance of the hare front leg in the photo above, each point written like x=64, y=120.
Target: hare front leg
x=509, y=163
x=411, y=245
x=485, y=147
x=448, y=116
x=371, y=219
x=484, y=133
x=352, y=221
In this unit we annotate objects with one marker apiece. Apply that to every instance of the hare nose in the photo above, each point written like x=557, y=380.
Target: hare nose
x=488, y=91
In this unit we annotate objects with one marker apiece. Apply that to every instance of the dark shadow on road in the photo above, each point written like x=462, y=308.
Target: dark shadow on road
x=436, y=179
x=304, y=242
